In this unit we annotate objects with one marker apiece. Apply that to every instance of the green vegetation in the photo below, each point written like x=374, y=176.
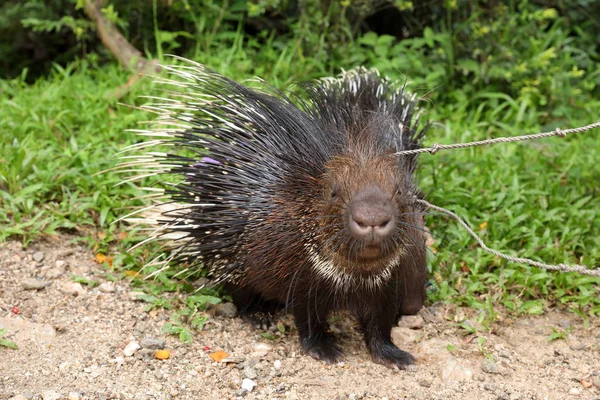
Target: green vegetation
x=487, y=71
x=5, y=342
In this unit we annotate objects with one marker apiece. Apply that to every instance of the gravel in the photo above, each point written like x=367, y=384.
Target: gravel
x=77, y=346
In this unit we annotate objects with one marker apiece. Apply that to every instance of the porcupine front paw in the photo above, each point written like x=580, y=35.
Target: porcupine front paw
x=252, y=307
x=259, y=319
x=390, y=355
x=322, y=348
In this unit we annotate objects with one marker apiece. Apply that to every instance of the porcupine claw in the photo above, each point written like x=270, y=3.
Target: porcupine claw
x=323, y=349
x=391, y=356
x=259, y=320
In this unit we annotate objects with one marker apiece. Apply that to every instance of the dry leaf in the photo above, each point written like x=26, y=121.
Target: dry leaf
x=162, y=354
x=218, y=355
x=586, y=384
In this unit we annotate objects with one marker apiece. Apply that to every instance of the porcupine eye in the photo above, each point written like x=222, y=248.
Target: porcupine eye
x=334, y=194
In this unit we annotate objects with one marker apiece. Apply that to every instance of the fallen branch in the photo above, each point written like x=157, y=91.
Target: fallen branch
x=127, y=55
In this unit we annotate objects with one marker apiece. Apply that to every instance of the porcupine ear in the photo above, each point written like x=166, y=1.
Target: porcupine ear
x=214, y=145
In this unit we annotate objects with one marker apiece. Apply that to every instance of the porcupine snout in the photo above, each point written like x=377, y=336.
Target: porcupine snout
x=371, y=216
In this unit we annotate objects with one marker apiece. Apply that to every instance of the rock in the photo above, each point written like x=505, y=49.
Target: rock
x=25, y=330
x=73, y=288
x=200, y=282
x=575, y=391
x=250, y=372
x=53, y=273
x=153, y=343
x=262, y=349
x=107, y=287
x=60, y=264
x=131, y=348
x=434, y=348
x=490, y=387
x=425, y=383
x=489, y=366
x=565, y=324
x=404, y=334
x=51, y=395
x=596, y=381
x=38, y=256
x=578, y=347
x=248, y=384
x=136, y=296
x=145, y=355
x=277, y=364
x=453, y=371
x=227, y=310
x=232, y=360
x=411, y=322
x=33, y=284
x=74, y=396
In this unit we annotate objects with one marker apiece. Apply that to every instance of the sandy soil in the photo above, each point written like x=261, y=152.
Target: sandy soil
x=71, y=340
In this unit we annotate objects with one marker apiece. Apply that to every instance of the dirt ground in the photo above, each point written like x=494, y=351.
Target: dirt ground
x=72, y=338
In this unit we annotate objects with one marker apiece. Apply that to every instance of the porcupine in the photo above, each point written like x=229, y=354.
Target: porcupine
x=294, y=200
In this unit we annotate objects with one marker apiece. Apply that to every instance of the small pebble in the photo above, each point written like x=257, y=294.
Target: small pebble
x=145, y=354
x=200, y=282
x=277, y=364
x=263, y=347
x=489, y=366
x=131, y=348
x=136, y=296
x=596, y=381
x=248, y=384
x=60, y=264
x=578, y=347
x=453, y=371
x=50, y=395
x=107, y=287
x=250, y=372
x=18, y=397
x=74, y=396
x=33, y=284
x=72, y=288
x=489, y=386
x=38, y=256
x=425, y=383
x=53, y=273
x=565, y=324
x=575, y=391
x=227, y=310
x=153, y=343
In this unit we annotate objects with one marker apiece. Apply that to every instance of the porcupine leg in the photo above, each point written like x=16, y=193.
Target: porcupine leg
x=377, y=327
x=252, y=307
x=311, y=323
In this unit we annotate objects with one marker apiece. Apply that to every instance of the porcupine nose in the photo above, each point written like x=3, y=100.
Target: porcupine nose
x=371, y=215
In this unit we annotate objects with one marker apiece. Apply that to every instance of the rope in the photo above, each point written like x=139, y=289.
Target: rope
x=582, y=269
x=557, y=132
